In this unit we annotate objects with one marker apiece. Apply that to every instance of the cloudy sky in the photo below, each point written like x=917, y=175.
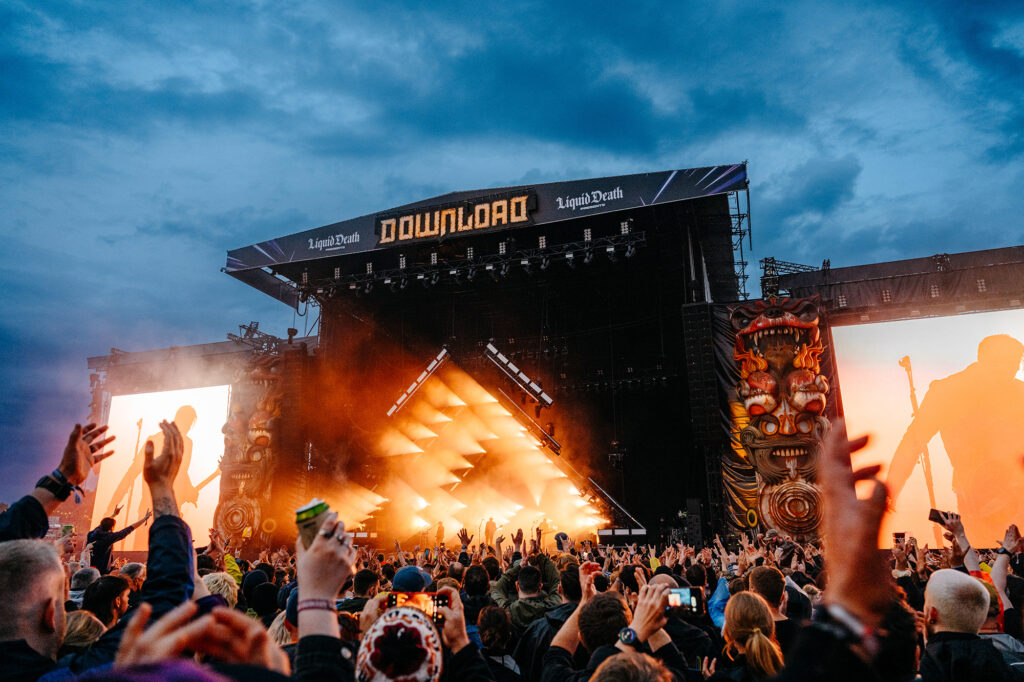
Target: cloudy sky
x=140, y=141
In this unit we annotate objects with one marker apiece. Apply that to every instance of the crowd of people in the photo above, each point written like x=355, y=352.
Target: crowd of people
x=767, y=607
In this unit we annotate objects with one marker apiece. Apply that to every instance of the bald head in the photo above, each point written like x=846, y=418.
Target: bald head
x=955, y=602
x=32, y=582
x=664, y=579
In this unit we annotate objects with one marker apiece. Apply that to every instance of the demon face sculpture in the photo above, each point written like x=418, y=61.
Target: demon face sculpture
x=250, y=455
x=778, y=348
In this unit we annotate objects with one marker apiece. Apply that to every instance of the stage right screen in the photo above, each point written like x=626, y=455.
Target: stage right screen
x=949, y=389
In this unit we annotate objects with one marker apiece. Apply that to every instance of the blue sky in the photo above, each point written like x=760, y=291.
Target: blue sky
x=140, y=141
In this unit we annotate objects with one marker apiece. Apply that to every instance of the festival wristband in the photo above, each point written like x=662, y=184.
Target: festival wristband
x=315, y=605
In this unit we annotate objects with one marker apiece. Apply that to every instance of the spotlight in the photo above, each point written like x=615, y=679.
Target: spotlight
x=587, y=234
x=433, y=257
x=470, y=274
x=630, y=251
x=369, y=286
x=588, y=256
x=469, y=253
x=542, y=242
x=526, y=264
x=544, y=263
x=610, y=250
x=401, y=261
x=504, y=268
x=501, y=248
x=570, y=259
x=434, y=277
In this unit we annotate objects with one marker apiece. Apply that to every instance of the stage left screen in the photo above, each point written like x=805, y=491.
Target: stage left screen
x=200, y=413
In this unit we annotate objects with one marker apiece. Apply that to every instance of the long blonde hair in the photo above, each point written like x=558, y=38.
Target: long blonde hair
x=748, y=621
x=82, y=628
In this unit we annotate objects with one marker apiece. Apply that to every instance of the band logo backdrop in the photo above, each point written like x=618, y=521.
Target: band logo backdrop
x=775, y=369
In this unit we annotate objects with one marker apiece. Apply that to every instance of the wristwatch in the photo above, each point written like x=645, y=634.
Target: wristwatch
x=1003, y=550
x=628, y=637
x=56, y=484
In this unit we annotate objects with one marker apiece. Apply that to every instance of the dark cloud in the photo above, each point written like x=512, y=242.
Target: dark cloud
x=136, y=147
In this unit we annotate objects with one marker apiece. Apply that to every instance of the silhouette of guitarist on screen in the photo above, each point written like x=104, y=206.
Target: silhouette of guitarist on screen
x=184, y=491
x=979, y=412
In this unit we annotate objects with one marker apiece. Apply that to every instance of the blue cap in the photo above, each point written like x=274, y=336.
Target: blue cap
x=410, y=579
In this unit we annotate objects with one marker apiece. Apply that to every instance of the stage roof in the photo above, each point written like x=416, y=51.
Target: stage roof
x=468, y=213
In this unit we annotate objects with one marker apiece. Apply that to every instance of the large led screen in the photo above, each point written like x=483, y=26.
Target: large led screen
x=967, y=382
x=200, y=414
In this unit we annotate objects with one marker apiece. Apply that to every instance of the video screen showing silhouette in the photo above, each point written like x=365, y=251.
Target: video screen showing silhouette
x=943, y=400
x=200, y=413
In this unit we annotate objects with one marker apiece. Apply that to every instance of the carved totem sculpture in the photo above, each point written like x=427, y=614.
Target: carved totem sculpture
x=250, y=454
x=778, y=349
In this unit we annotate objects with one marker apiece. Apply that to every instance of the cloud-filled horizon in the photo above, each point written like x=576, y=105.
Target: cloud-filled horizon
x=139, y=143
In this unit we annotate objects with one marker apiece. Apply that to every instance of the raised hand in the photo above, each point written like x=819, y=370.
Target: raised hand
x=454, y=630
x=858, y=576
x=322, y=569
x=159, y=472
x=650, y=614
x=1012, y=541
x=517, y=539
x=84, y=449
x=464, y=537
x=498, y=540
x=117, y=510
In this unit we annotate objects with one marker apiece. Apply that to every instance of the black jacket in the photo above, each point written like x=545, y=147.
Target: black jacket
x=24, y=519
x=102, y=542
x=953, y=656
x=529, y=653
x=558, y=664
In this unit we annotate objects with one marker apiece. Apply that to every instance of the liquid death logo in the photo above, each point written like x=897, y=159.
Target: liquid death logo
x=508, y=209
x=333, y=242
x=589, y=200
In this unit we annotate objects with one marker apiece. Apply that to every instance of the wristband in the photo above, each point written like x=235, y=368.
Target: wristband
x=315, y=605
x=57, y=484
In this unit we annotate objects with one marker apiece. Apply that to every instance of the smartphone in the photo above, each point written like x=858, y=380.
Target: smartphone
x=686, y=601
x=427, y=602
x=66, y=530
x=935, y=516
x=899, y=538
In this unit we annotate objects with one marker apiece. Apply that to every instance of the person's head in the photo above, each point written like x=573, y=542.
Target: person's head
x=569, y=584
x=631, y=666
x=205, y=562
x=750, y=629
x=402, y=644
x=107, y=598
x=737, y=585
x=184, y=418
x=494, y=626
x=365, y=583
x=897, y=659
x=447, y=582
x=1001, y=354
x=134, y=573
x=529, y=581
x=389, y=571
x=601, y=618
x=279, y=632
x=250, y=581
x=264, y=599
x=954, y=602
x=84, y=577
x=224, y=585
x=82, y=629
x=456, y=570
x=32, y=585
x=107, y=523
x=696, y=575
x=410, y=579
x=768, y=582
x=267, y=570
x=477, y=582
x=492, y=567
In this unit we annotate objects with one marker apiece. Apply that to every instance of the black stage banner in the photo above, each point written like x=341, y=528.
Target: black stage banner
x=776, y=367
x=490, y=210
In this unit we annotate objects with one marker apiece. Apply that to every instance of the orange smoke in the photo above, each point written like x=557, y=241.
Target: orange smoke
x=456, y=455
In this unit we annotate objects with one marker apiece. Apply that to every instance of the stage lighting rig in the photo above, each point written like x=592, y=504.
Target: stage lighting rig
x=518, y=376
x=434, y=365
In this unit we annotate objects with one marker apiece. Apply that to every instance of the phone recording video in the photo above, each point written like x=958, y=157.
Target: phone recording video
x=686, y=601
x=427, y=602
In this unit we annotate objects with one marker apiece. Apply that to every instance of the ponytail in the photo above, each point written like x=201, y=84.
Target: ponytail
x=763, y=654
